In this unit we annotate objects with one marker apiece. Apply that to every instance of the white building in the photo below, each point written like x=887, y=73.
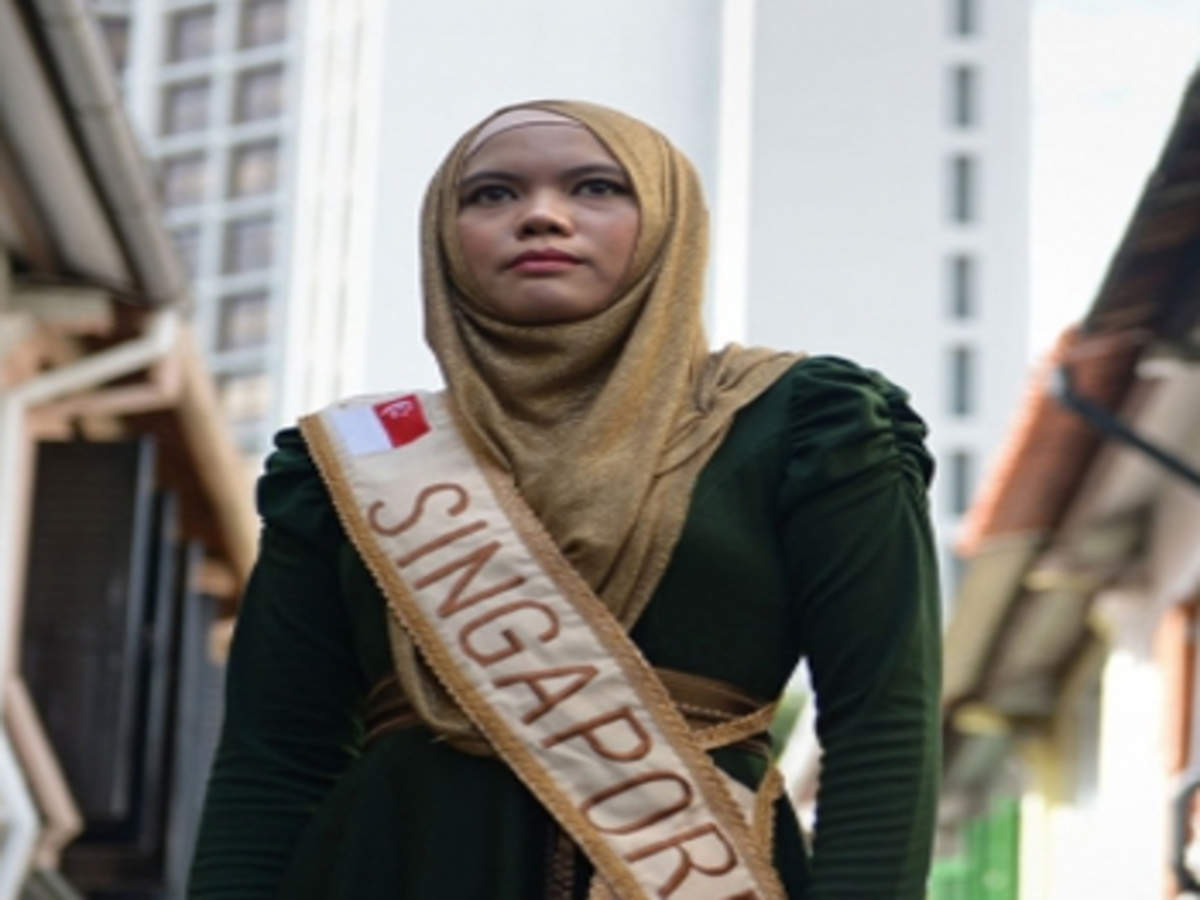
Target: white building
x=888, y=210
x=866, y=164
x=211, y=90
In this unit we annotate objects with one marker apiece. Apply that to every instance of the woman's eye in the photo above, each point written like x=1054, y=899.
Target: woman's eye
x=489, y=194
x=601, y=187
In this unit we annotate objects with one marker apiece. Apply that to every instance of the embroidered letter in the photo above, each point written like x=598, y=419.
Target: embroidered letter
x=418, y=508
x=685, y=797
x=589, y=731
x=514, y=645
x=687, y=863
x=472, y=563
x=532, y=680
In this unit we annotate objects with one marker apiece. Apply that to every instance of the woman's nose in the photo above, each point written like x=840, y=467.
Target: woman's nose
x=545, y=213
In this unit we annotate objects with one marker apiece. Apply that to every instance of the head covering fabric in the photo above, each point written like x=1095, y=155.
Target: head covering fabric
x=603, y=423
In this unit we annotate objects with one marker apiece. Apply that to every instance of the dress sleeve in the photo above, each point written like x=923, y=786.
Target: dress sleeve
x=862, y=565
x=292, y=691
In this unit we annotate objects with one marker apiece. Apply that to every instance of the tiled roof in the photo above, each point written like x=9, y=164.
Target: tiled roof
x=1151, y=291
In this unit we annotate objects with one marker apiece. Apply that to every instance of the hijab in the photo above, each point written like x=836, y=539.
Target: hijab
x=630, y=396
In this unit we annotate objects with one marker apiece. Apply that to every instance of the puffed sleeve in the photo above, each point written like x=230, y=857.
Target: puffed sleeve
x=862, y=565
x=292, y=690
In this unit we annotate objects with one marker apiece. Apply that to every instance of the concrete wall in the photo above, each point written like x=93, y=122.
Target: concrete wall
x=850, y=228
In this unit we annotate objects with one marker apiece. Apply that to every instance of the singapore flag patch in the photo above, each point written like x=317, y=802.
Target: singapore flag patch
x=375, y=427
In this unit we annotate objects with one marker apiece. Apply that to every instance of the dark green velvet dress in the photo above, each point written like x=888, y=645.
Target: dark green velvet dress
x=807, y=535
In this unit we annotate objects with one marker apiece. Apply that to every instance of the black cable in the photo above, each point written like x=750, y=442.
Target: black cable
x=1063, y=390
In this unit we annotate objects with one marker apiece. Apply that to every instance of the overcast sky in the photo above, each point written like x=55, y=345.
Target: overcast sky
x=1107, y=79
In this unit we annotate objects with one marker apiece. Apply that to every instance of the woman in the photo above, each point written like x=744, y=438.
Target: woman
x=733, y=512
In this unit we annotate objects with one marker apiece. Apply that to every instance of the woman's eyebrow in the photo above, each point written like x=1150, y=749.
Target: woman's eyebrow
x=487, y=175
x=596, y=169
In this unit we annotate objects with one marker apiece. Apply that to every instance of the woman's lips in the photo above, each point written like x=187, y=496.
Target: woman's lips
x=537, y=262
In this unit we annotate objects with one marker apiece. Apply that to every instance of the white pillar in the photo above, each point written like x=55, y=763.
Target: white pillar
x=735, y=126
x=1130, y=842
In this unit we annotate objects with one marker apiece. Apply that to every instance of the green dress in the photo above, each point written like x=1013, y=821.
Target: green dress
x=807, y=536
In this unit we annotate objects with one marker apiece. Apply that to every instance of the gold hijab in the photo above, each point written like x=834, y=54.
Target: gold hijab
x=603, y=423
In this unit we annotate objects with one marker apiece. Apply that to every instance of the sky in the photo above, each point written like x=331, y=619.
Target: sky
x=1108, y=76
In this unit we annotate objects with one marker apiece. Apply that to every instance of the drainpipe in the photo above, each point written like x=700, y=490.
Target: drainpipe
x=19, y=814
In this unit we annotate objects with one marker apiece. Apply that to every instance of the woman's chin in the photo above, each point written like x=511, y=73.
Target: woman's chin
x=548, y=308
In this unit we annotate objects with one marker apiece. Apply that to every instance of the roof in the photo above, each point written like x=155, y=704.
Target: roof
x=1061, y=511
x=1150, y=293
x=78, y=198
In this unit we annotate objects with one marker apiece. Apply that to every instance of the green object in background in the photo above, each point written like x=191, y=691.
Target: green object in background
x=987, y=866
x=786, y=717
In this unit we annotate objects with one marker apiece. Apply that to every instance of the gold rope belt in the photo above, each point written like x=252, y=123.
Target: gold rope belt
x=720, y=714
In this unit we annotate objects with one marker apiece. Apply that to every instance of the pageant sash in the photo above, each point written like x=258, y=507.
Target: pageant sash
x=531, y=655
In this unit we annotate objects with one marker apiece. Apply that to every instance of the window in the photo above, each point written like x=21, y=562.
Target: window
x=962, y=380
x=249, y=245
x=183, y=179
x=253, y=168
x=963, y=188
x=187, y=245
x=964, y=99
x=114, y=30
x=964, y=16
x=244, y=396
x=259, y=94
x=963, y=286
x=263, y=22
x=244, y=320
x=190, y=34
x=185, y=107
x=962, y=481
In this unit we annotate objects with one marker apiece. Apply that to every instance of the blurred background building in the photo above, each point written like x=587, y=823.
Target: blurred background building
x=213, y=92
x=888, y=213
x=126, y=527
x=868, y=167
x=1072, y=762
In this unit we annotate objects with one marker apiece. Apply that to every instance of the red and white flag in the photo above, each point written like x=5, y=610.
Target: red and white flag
x=381, y=426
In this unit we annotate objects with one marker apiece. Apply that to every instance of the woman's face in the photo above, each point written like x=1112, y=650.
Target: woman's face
x=547, y=222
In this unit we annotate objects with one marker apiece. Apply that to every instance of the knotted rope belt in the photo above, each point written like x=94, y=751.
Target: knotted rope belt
x=720, y=714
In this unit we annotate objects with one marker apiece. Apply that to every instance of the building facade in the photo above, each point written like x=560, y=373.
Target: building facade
x=212, y=90
x=888, y=222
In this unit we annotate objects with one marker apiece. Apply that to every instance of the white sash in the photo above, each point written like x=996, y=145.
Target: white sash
x=531, y=655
